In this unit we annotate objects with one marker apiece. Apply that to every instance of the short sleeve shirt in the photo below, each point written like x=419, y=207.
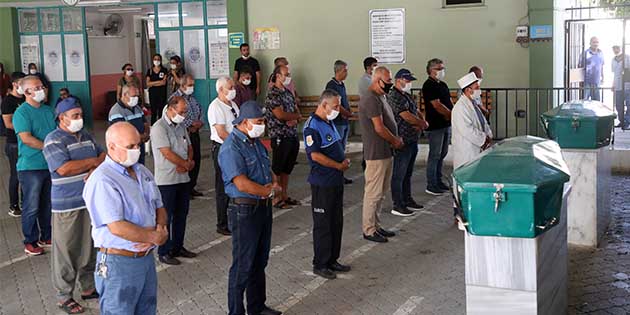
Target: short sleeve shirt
x=193, y=113
x=134, y=116
x=166, y=134
x=593, y=63
x=253, y=65
x=340, y=88
x=285, y=100
x=374, y=146
x=153, y=76
x=243, y=94
x=321, y=136
x=403, y=102
x=220, y=113
x=436, y=90
x=61, y=147
x=39, y=122
x=9, y=105
x=364, y=84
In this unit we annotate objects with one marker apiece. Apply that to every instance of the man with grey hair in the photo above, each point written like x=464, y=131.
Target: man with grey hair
x=128, y=109
x=341, y=122
x=592, y=60
x=193, y=123
x=221, y=112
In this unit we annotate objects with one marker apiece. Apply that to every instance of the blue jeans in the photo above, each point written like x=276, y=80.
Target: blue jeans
x=251, y=242
x=344, y=131
x=622, y=104
x=130, y=286
x=36, y=209
x=593, y=91
x=439, y=140
x=404, y=160
x=176, y=199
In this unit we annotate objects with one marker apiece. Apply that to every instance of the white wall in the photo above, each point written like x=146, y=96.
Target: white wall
x=108, y=54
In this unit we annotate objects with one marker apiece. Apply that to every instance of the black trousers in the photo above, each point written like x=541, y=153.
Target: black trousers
x=222, y=199
x=327, y=203
x=177, y=202
x=195, y=141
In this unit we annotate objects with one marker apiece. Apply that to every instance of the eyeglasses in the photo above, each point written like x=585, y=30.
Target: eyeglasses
x=37, y=88
x=129, y=69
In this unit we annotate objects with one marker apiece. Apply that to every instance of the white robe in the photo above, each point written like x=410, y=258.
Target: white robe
x=469, y=134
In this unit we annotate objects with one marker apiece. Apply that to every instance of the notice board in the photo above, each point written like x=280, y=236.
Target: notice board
x=387, y=35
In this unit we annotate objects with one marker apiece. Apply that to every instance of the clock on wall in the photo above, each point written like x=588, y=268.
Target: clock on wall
x=70, y=2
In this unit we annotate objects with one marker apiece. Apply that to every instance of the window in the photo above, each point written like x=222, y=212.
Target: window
x=217, y=12
x=192, y=13
x=462, y=3
x=50, y=20
x=168, y=15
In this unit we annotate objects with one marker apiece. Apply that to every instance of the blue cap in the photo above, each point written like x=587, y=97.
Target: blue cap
x=66, y=105
x=248, y=110
x=405, y=74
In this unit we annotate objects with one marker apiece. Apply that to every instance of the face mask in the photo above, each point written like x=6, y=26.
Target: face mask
x=245, y=57
x=476, y=94
x=39, y=96
x=231, y=94
x=247, y=82
x=156, y=63
x=332, y=115
x=133, y=101
x=441, y=74
x=256, y=131
x=387, y=87
x=178, y=119
x=20, y=90
x=189, y=90
x=129, y=73
x=32, y=71
x=287, y=81
x=75, y=125
x=173, y=66
x=132, y=157
x=407, y=88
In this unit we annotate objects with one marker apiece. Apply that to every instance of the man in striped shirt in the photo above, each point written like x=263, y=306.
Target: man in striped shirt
x=71, y=154
x=130, y=110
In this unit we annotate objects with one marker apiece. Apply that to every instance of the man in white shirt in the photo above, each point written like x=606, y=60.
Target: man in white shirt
x=620, y=87
x=221, y=112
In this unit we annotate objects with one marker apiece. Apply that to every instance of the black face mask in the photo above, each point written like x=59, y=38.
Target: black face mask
x=387, y=86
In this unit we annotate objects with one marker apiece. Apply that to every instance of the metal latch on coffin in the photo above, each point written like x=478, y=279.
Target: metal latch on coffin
x=575, y=123
x=498, y=196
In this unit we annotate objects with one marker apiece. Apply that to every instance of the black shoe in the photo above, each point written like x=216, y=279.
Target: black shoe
x=169, y=260
x=325, y=273
x=224, y=231
x=336, y=266
x=402, y=212
x=385, y=232
x=619, y=125
x=444, y=187
x=435, y=191
x=15, y=211
x=269, y=311
x=195, y=193
x=185, y=253
x=414, y=206
x=376, y=237
x=347, y=181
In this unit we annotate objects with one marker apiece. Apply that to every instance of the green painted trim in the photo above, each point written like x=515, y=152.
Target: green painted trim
x=237, y=22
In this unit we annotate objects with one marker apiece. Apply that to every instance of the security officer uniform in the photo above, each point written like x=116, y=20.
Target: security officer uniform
x=327, y=190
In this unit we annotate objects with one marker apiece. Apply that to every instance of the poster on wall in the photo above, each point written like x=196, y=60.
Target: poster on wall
x=219, y=58
x=387, y=35
x=30, y=54
x=266, y=38
x=75, y=57
x=195, y=53
x=53, y=63
x=169, y=45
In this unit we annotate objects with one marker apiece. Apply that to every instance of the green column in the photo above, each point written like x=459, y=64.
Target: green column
x=237, y=22
x=9, y=49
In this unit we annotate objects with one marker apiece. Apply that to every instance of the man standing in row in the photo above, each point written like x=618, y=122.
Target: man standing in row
x=173, y=154
x=127, y=109
x=32, y=122
x=328, y=161
x=10, y=103
x=128, y=221
x=369, y=64
x=246, y=60
x=592, y=61
x=341, y=122
x=72, y=154
x=251, y=186
x=379, y=135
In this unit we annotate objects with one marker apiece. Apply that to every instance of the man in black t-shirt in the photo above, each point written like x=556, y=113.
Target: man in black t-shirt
x=438, y=106
x=9, y=104
x=248, y=61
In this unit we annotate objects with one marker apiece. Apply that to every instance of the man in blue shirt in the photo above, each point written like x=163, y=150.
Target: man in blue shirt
x=127, y=109
x=593, y=63
x=341, y=122
x=327, y=159
x=72, y=154
x=251, y=186
x=128, y=221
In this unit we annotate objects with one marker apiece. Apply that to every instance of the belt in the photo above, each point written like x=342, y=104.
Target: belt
x=126, y=253
x=250, y=201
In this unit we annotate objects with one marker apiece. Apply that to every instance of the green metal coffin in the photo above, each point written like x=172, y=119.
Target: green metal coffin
x=513, y=189
x=579, y=124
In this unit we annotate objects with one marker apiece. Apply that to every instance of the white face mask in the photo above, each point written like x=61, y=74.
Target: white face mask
x=287, y=81
x=231, y=94
x=245, y=57
x=247, y=82
x=133, y=101
x=407, y=88
x=332, y=115
x=441, y=74
x=39, y=96
x=129, y=73
x=189, y=90
x=178, y=119
x=257, y=131
x=156, y=63
x=476, y=94
x=75, y=125
x=20, y=90
x=133, y=155
x=32, y=71
x=173, y=66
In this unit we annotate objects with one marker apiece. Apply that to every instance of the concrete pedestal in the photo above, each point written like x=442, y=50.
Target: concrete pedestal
x=589, y=203
x=518, y=275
